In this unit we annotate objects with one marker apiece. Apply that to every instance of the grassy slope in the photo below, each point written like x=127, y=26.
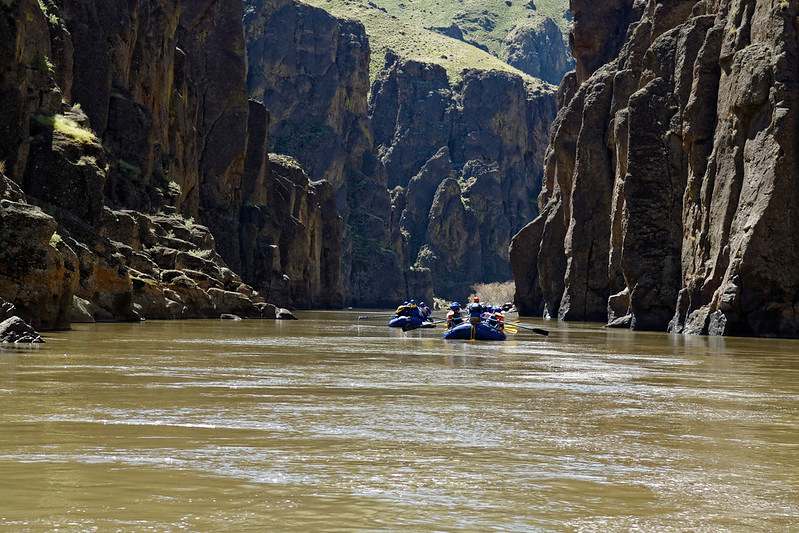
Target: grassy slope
x=401, y=25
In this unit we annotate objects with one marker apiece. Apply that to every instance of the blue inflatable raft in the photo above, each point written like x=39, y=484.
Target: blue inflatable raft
x=415, y=322
x=478, y=332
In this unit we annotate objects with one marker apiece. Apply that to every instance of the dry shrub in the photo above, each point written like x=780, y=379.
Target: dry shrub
x=496, y=293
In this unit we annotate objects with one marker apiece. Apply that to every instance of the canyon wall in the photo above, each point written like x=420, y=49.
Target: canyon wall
x=134, y=171
x=311, y=71
x=671, y=174
x=432, y=181
x=140, y=180
x=464, y=160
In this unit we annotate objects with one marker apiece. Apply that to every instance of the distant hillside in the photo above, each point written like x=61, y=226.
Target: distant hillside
x=458, y=34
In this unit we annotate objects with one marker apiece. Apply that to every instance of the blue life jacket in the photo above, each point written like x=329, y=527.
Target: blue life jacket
x=475, y=310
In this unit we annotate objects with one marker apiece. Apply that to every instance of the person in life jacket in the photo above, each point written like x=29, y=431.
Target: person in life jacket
x=403, y=310
x=454, y=316
x=425, y=310
x=415, y=311
x=496, y=319
x=489, y=317
x=475, y=311
x=500, y=319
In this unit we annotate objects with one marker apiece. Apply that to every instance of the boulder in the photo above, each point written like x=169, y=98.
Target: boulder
x=285, y=314
x=16, y=330
x=267, y=310
x=81, y=311
x=233, y=303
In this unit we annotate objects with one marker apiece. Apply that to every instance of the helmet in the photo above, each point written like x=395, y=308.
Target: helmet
x=405, y=303
x=421, y=304
x=455, y=306
x=476, y=299
x=413, y=302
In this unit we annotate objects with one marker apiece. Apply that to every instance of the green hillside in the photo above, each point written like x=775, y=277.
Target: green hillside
x=402, y=26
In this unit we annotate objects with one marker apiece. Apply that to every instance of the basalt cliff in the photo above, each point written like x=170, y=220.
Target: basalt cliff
x=462, y=160
x=194, y=159
x=134, y=174
x=433, y=176
x=671, y=178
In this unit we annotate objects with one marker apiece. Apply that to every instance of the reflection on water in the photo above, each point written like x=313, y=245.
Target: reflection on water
x=330, y=423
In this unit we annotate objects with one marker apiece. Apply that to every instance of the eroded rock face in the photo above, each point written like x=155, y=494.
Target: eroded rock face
x=536, y=47
x=670, y=173
x=295, y=251
x=26, y=83
x=109, y=154
x=121, y=88
x=310, y=70
x=38, y=274
x=485, y=135
x=598, y=31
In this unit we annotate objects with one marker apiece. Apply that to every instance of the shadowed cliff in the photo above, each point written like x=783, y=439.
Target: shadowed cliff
x=462, y=160
x=672, y=172
x=139, y=180
x=135, y=177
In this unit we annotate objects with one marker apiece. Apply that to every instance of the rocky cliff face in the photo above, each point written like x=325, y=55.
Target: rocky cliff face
x=110, y=152
x=672, y=172
x=311, y=70
x=292, y=243
x=536, y=47
x=466, y=161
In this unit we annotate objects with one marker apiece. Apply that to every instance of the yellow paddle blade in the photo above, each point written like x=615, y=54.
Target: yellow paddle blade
x=511, y=329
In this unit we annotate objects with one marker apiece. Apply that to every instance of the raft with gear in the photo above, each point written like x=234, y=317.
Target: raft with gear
x=474, y=332
x=409, y=322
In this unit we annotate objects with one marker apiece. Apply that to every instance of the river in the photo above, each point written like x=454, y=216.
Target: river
x=331, y=423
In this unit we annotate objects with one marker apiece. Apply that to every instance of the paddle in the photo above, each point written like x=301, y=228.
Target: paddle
x=376, y=316
x=409, y=326
x=534, y=330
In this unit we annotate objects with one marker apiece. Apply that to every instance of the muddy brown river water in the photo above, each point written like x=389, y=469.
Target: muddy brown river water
x=334, y=424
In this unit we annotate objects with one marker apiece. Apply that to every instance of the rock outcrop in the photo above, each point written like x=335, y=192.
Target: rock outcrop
x=466, y=162
x=671, y=172
x=294, y=249
x=124, y=123
x=311, y=71
x=536, y=47
x=38, y=272
x=16, y=330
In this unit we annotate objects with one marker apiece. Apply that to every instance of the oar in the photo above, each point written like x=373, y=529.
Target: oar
x=431, y=320
x=408, y=326
x=376, y=316
x=534, y=330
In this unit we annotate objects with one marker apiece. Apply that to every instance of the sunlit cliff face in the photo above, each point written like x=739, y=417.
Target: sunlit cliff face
x=595, y=29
